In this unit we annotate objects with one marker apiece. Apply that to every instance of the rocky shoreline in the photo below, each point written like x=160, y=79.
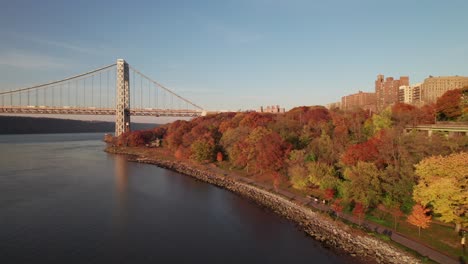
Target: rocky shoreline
x=331, y=234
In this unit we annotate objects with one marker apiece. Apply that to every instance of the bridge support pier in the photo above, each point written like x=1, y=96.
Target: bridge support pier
x=122, y=121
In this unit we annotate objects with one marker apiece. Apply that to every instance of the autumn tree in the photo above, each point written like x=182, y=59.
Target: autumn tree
x=297, y=170
x=359, y=211
x=262, y=150
x=175, y=133
x=322, y=175
x=427, y=114
x=443, y=183
x=219, y=156
x=382, y=120
x=231, y=138
x=269, y=150
x=329, y=194
x=362, y=184
x=354, y=120
x=337, y=207
x=203, y=150
x=419, y=217
x=448, y=106
x=464, y=105
x=405, y=114
x=365, y=151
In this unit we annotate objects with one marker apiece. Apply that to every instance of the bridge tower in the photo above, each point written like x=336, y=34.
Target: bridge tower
x=122, y=122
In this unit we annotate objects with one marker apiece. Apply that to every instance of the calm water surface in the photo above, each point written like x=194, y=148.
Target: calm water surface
x=64, y=200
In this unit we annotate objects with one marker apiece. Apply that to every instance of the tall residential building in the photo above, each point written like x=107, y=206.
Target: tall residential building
x=410, y=94
x=386, y=90
x=434, y=87
x=361, y=99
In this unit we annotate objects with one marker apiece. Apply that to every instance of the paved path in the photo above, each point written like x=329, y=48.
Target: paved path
x=399, y=238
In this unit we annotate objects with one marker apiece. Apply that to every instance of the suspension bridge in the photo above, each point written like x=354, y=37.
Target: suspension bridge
x=103, y=91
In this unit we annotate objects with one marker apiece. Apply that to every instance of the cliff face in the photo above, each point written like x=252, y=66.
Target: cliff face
x=35, y=125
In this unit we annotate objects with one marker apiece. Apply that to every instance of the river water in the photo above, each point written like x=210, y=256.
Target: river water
x=64, y=200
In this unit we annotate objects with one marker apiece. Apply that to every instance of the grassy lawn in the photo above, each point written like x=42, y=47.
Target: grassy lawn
x=437, y=236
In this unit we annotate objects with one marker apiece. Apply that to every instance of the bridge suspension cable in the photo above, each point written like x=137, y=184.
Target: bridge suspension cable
x=60, y=81
x=164, y=88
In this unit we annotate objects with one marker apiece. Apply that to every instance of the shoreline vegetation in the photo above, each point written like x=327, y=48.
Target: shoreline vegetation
x=334, y=235
x=373, y=170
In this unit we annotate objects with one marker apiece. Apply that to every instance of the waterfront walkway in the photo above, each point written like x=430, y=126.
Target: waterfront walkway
x=311, y=203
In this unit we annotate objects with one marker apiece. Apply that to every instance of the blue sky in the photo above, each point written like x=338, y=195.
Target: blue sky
x=237, y=54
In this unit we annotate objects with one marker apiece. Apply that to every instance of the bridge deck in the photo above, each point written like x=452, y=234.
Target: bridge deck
x=441, y=127
x=66, y=110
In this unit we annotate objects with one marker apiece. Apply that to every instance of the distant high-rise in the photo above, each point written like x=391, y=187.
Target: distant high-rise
x=275, y=109
x=434, y=87
x=386, y=90
x=410, y=94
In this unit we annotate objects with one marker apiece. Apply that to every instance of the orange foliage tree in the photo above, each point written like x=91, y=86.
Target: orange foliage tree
x=219, y=156
x=419, y=217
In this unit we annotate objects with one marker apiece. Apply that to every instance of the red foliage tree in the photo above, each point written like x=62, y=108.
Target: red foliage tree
x=427, y=114
x=329, y=194
x=270, y=152
x=263, y=150
x=448, y=106
x=366, y=151
x=337, y=207
x=358, y=211
x=175, y=133
x=405, y=114
x=309, y=114
x=254, y=119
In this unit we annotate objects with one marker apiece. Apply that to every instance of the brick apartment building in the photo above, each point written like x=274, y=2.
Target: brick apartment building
x=361, y=99
x=387, y=89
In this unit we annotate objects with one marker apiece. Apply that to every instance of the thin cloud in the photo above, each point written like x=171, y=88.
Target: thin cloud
x=25, y=60
x=65, y=45
x=58, y=44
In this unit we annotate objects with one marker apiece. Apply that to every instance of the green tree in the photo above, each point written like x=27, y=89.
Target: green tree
x=202, y=151
x=362, y=184
x=443, y=183
x=322, y=175
x=380, y=121
x=297, y=170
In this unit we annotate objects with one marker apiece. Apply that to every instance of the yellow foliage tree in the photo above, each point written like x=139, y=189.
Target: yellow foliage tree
x=443, y=183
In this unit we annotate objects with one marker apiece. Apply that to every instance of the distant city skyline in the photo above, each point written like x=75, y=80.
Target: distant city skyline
x=230, y=55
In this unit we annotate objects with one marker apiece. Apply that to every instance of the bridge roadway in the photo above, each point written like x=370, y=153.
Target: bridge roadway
x=451, y=128
x=68, y=110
